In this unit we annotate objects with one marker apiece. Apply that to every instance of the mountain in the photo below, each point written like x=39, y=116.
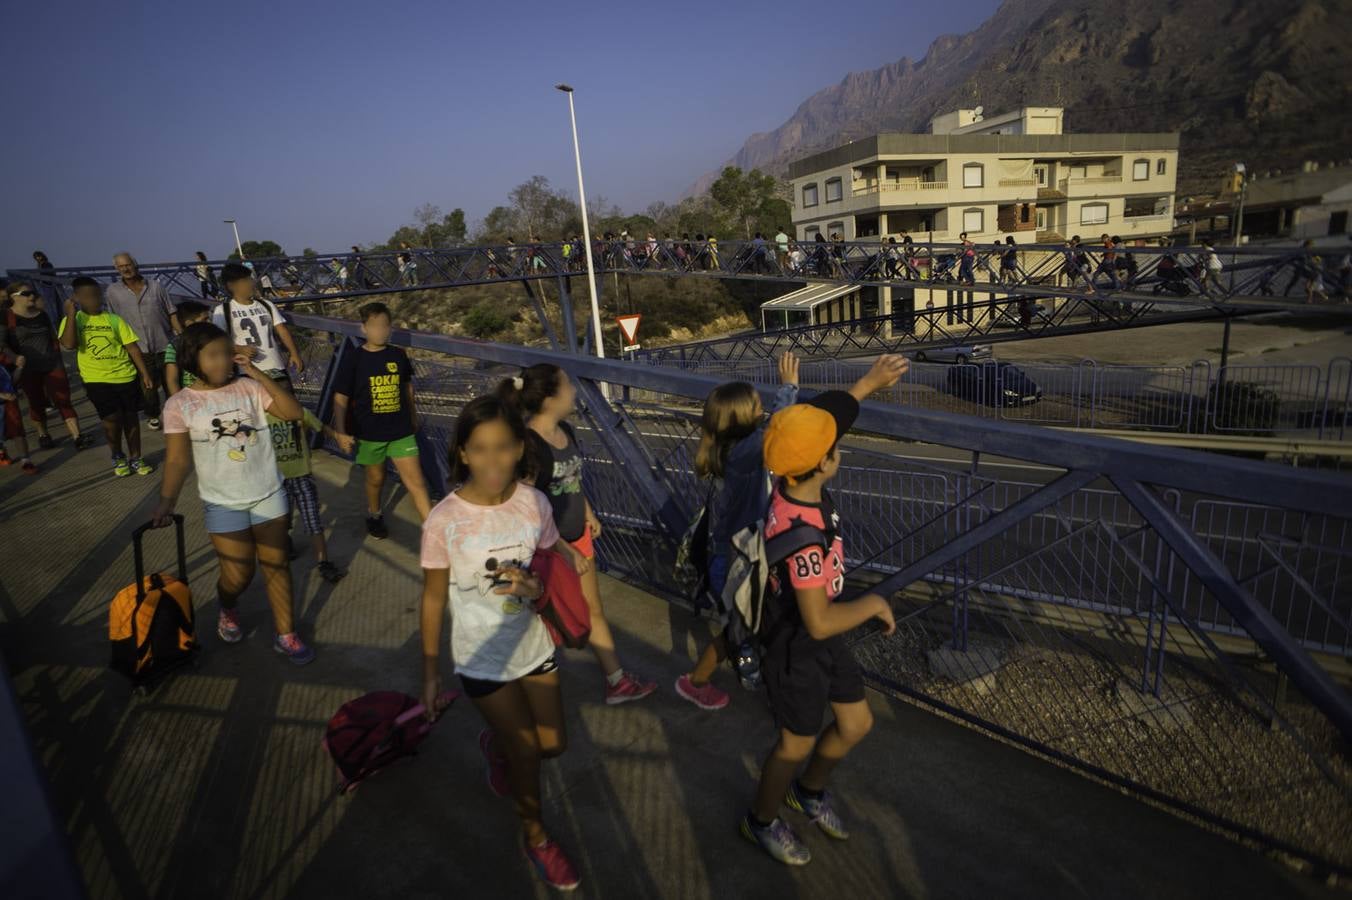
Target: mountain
x=1260, y=81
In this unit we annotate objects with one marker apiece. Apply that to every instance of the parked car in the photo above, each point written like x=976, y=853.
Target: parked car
x=993, y=384
x=959, y=354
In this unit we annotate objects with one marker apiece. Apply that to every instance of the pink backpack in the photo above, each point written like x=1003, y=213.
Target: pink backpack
x=367, y=734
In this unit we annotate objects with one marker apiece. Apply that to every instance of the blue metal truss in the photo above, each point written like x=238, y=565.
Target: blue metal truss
x=1136, y=470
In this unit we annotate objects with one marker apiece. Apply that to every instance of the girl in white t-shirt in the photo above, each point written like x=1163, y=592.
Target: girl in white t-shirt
x=218, y=424
x=477, y=547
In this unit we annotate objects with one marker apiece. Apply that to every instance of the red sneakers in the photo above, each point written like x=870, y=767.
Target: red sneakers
x=629, y=688
x=705, y=696
x=553, y=867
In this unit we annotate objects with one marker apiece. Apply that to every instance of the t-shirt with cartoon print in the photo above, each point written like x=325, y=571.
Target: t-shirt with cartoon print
x=231, y=442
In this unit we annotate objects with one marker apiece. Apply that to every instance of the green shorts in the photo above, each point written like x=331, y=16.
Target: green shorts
x=373, y=453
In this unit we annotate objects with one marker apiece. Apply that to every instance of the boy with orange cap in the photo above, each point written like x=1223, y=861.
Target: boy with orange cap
x=806, y=662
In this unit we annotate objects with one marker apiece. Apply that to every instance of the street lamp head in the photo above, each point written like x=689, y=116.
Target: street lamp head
x=1240, y=168
x=566, y=88
x=228, y=221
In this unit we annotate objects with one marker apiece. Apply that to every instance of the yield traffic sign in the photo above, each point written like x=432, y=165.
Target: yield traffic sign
x=629, y=327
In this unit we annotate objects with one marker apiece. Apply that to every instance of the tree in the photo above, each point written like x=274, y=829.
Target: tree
x=309, y=251
x=427, y=215
x=498, y=225
x=258, y=250
x=453, y=227
x=749, y=202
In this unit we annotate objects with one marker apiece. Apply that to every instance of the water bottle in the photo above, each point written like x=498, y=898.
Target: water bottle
x=748, y=666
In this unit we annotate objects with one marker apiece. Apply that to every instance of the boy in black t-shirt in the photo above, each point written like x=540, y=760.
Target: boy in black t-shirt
x=377, y=380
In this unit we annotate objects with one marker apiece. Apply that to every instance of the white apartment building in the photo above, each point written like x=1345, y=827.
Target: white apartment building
x=1011, y=174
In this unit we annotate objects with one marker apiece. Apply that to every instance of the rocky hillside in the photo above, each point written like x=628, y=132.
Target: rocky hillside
x=1264, y=81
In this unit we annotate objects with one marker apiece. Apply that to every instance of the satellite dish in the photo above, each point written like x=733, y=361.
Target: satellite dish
x=978, y=111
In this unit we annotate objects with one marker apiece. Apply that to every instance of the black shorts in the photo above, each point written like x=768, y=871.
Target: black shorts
x=481, y=687
x=115, y=401
x=802, y=676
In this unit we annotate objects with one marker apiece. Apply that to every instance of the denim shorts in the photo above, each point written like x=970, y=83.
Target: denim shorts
x=226, y=519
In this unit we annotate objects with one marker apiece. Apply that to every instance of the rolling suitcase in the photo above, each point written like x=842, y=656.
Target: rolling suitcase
x=150, y=621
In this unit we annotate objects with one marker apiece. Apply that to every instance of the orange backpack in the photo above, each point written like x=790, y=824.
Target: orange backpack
x=150, y=621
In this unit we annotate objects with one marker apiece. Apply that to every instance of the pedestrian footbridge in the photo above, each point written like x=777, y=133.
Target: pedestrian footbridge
x=1120, y=673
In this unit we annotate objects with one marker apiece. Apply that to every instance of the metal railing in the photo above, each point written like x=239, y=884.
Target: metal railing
x=1254, y=277
x=1251, y=399
x=1102, y=611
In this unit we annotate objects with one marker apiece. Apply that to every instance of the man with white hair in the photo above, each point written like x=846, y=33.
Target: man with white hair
x=145, y=305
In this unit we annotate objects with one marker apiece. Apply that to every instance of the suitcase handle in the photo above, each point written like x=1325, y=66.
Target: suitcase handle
x=140, y=563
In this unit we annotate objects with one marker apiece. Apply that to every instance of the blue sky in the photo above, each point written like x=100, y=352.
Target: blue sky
x=141, y=126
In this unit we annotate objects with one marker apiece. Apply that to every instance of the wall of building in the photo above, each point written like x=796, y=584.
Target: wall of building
x=887, y=184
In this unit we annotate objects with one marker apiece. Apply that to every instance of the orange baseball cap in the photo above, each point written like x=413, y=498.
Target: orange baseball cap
x=798, y=436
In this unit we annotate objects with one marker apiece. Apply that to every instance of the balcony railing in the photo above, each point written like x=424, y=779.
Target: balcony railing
x=903, y=184
x=1094, y=179
x=1018, y=182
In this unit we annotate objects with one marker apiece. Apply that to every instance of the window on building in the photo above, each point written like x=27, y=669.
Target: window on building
x=1140, y=170
x=1040, y=173
x=835, y=228
x=973, y=175
x=833, y=190
x=1338, y=222
x=1094, y=214
x=973, y=221
x=809, y=195
x=1077, y=171
x=810, y=233
x=1161, y=167
x=1041, y=220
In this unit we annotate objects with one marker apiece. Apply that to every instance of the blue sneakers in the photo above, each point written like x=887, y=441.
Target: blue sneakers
x=818, y=811
x=778, y=840
x=293, y=648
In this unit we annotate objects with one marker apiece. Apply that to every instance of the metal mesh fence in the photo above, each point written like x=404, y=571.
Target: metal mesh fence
x=1245, y=399
x=1075, y=632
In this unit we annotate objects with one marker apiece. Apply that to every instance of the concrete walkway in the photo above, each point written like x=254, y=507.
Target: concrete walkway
x=216, y=786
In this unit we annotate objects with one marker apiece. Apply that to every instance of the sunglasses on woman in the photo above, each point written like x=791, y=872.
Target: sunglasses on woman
x=25, y=293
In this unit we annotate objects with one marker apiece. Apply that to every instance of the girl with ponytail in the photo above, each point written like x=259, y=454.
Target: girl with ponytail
x=545, y=398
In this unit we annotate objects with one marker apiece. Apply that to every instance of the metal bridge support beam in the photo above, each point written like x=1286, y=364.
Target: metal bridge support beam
x=566, y=310
x=624, y=448
x=969, y=540
x=324, y=408
x=1308, y=675
x=538, y=302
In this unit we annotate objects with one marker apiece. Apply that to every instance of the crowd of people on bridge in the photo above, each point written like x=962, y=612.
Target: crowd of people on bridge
x=216, y=379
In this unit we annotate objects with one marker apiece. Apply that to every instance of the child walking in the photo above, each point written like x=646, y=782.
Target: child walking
x=477, y=547
x=219, y=426
x=291, y=444
x=256, y=326
x=807, y=664
x=377, y=380
x=109, y=359
x=544, y=396
x=175, y=377
x=11, y=427
x=731, y=455
x=28, y=343
x=729, y=459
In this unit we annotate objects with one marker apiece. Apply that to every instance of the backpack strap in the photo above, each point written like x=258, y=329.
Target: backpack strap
x=783, y=545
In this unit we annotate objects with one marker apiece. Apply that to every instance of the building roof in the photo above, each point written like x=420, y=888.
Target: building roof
x=1297, y=188
x=813, y=295
x=898, y=144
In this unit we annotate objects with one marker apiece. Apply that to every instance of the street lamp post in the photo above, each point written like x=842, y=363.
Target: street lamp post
x=1242, y=172
x=586, y=229
x=238, y=246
